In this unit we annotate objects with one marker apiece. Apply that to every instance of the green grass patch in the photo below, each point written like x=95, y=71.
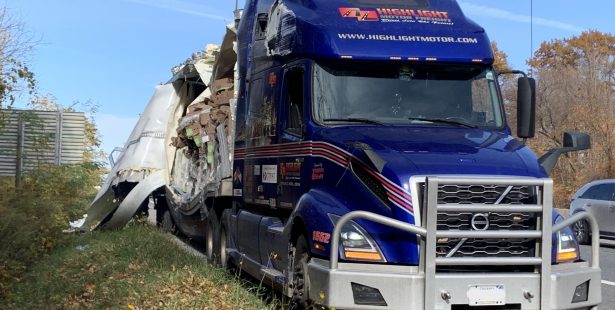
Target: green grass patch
x=138, y=267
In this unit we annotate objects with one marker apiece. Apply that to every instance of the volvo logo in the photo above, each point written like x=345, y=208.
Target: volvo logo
x=480, y=221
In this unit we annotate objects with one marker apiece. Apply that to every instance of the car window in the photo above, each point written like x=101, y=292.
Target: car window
x=610, y=192
x=600, y=192
x=590, y=193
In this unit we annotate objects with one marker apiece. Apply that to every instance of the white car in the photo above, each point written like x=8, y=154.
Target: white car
x=598, y=198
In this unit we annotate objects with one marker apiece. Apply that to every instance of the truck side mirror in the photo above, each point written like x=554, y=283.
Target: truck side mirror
x=577, y=140
x=526, y=107
x=573, y=142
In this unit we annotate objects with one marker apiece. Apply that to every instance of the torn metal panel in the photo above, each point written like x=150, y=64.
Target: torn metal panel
x=137, y=196
x=144, y=150
x=225, y=62
x=281, y=30
x=143, y=156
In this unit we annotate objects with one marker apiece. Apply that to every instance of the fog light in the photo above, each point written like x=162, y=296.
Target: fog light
x=581, y=292
x=365, y=295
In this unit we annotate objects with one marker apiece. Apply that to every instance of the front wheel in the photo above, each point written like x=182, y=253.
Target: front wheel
x=581, y=231
x=300, y=283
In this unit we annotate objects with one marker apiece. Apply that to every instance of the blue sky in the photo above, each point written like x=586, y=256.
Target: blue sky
x=115, y=51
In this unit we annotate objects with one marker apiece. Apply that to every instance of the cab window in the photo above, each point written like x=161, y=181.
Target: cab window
x=294, y=101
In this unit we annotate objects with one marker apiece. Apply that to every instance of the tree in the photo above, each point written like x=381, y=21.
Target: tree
x=500, y=57
x=593, y=52
x=15, y=47
x=576, y=91
x=46, y=102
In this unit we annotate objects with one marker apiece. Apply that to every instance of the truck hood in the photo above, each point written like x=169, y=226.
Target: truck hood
x=402, y=152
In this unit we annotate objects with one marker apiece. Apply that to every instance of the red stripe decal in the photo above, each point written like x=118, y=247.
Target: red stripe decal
x=332, y=153
x=401, y=203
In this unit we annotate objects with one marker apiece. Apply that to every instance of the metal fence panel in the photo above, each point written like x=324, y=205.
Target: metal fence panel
x=49, y=137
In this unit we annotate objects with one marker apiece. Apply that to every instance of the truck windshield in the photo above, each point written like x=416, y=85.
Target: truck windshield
x=398, y=94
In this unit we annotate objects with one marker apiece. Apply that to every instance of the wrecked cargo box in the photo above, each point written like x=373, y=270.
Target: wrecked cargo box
x=180, y=151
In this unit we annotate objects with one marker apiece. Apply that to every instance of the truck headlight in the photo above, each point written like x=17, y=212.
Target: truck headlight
x=356, y=243
x=567, y=246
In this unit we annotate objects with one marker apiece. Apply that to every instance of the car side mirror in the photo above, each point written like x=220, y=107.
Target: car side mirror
x=526, y=107
x=573, y=142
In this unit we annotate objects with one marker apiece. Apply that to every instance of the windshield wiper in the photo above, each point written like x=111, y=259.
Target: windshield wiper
x=354, y=120
x=443, y=121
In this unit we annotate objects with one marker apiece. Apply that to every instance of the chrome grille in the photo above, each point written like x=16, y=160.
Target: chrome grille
x=486, y=194
x=497, y=221
x=487, y=248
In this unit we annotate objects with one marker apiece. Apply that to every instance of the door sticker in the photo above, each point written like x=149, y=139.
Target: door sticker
x=270, y=174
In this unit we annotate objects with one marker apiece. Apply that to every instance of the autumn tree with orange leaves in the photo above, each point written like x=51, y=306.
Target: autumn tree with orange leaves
x=575, y=92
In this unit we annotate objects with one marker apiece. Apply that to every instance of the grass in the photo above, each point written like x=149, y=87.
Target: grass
x=138, y=267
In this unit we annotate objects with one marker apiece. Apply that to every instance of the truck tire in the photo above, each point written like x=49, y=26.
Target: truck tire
x=211, y=237
x=221, y=247
x=166, y=222
x=581, y=231
x=300, y=283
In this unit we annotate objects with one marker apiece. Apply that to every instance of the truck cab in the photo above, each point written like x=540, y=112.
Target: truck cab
x=355, y=154
x=374, y=166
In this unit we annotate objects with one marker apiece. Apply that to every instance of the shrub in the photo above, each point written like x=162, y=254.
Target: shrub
x=33, y=217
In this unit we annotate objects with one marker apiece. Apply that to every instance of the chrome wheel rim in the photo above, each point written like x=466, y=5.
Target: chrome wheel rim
x=579, y=230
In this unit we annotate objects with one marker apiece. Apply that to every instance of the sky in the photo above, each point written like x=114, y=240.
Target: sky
x=114, y=52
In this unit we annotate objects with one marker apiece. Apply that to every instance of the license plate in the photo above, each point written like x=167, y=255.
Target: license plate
x=486, y=295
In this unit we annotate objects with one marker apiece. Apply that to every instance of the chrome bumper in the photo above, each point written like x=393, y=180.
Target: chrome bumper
x=423, y=287
x=403, y=287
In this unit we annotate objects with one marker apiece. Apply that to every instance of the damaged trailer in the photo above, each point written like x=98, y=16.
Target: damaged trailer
x=180, y=151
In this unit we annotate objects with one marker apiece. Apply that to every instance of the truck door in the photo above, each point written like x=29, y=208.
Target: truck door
x=260, y=173
x=292, y=124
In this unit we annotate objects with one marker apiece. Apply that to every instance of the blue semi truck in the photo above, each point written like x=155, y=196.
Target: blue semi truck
x=369, y=163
